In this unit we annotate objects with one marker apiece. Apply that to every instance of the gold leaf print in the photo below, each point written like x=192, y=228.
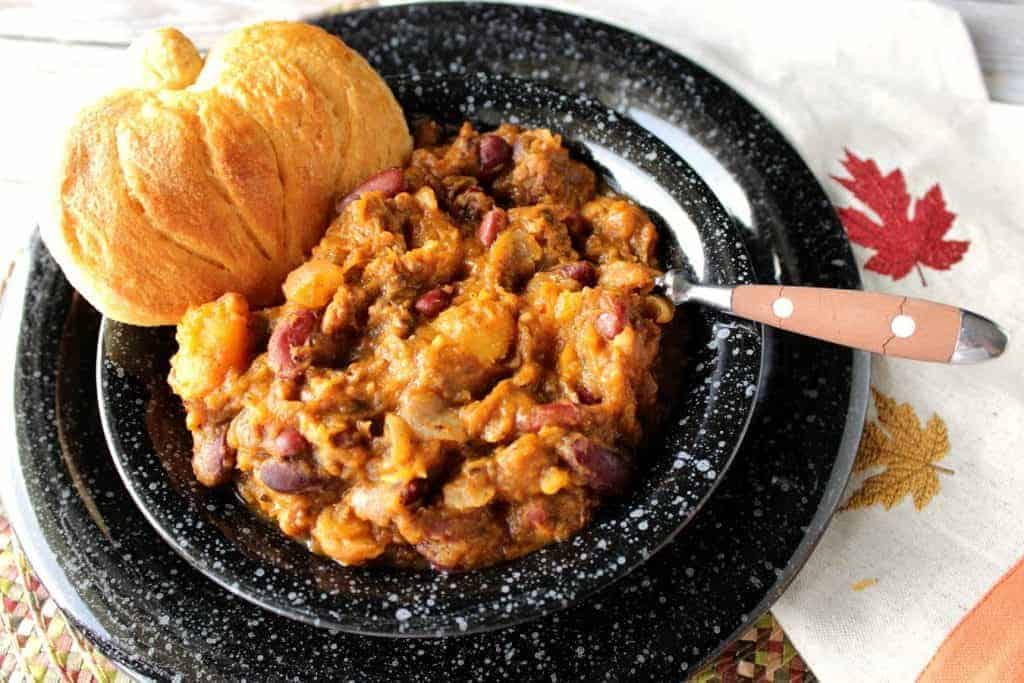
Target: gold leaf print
x=897, y=442
x=863, y=583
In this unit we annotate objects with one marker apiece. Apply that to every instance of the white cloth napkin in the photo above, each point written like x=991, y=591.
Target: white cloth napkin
x=896, y=82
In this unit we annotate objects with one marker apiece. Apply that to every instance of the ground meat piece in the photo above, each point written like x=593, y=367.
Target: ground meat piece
x=622, y=231
x=459, y=157
x=460, y=540
x=545, y=174
x=427, y=133
x=544, y=519
x=471, y=205
x=513, y=259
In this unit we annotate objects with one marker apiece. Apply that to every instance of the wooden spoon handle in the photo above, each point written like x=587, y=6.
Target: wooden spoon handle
x=880, y=323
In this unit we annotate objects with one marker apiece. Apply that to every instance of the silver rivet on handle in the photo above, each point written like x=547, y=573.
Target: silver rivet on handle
x=903, y=326
x=782, y=307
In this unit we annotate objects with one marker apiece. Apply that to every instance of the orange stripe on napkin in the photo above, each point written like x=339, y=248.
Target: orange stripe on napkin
x=988, y=643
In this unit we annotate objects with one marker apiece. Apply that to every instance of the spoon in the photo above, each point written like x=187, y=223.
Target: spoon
x=886, y=324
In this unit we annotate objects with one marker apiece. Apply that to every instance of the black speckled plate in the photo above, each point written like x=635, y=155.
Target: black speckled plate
x=709, y=397
x=147, y=608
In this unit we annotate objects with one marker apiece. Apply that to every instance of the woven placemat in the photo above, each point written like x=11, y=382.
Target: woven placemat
x=39, y=644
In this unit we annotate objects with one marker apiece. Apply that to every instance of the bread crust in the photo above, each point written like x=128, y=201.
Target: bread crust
x=170, y=196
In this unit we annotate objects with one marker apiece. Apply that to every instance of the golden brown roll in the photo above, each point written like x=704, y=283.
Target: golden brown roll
x=206, y=181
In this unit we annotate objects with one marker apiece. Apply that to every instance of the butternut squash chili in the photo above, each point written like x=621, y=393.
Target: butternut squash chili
x=460, y=372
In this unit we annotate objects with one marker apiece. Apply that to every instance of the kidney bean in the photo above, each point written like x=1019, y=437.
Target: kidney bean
x=580, y=271
x=535, y=514
x=291, y=332
x=290, y=442
x=288, y=476
x=494, y=153
x=611, y=322
x=493, y=222
x=601, y=468
x=561, y=414
x=213, y=460
x=432, y=303
x=587, y=397
x=390, y=182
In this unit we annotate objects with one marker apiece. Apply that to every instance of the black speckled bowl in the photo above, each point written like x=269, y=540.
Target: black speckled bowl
x=711, y=397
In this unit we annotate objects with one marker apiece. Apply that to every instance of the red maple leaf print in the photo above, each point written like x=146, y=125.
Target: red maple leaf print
x=901, y=242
